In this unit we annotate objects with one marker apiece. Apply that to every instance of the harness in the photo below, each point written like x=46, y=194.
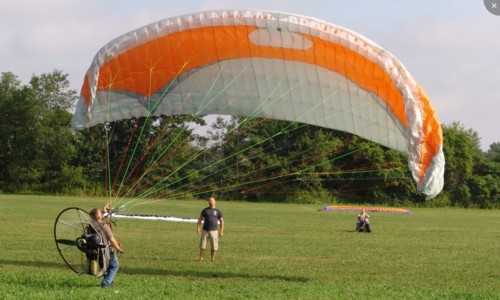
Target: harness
x=94, y=243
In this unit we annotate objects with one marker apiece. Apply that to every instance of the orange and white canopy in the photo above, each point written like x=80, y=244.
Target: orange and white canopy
x=267, y=65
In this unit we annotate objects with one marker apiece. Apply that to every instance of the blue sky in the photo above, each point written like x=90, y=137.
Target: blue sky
x=451, y=47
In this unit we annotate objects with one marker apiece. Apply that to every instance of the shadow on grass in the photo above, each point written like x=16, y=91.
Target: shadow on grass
x=36, y=264
x=209, y=274
x=148, y=271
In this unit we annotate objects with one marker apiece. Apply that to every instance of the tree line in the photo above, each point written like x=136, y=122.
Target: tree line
x=237, y=158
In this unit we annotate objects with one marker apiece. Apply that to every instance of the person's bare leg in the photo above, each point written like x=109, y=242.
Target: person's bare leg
x=202, y=254
x=212, y=255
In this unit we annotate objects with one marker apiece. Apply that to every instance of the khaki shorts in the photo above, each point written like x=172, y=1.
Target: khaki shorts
x=214, y=240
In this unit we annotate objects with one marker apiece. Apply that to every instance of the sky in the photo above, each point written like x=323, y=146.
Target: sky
x=451, y=47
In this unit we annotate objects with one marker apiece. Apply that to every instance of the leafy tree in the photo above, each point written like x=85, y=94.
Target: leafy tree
x=141, y=156
x=35, y=134
x=461, y=148
x=470, y=179
x=53, y=91
x=271, y=160
x=55, y=145
x=19, y=125
x=171, y=158
x=485, y=181
x=239, y=158
x=493, y=154
x=90, y=160
x=370, y=173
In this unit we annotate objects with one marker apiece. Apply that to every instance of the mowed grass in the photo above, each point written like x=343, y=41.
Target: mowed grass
x=269, y=251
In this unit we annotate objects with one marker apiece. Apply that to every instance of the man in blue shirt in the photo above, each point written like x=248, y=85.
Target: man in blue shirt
x=211, y=218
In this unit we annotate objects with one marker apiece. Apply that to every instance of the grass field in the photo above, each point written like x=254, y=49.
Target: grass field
x=269, y=251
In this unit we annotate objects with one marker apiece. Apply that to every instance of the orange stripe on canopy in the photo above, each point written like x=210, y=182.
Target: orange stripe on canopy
x=147, y=68
x=433, y=136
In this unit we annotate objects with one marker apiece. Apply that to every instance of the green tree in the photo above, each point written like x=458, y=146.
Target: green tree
x=371, y=173
x=281, y=161
x=493, y=154
x=146, y=157
x=89, y=161
x=53, y=91
x=171, y=157
x=467, y=174
x=55, y=143
x=485, y=181
x=19, y=125
x=35, y=135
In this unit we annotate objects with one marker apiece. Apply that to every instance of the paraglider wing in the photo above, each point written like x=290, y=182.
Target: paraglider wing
x=266, y=65
x=368, y=208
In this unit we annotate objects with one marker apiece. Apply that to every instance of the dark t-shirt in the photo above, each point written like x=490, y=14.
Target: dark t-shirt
x=212, y=216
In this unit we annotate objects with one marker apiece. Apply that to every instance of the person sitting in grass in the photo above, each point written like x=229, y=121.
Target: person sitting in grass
x=363, y=222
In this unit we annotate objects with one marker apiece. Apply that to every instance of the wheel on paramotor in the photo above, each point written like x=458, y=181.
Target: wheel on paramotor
x=75, y=235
